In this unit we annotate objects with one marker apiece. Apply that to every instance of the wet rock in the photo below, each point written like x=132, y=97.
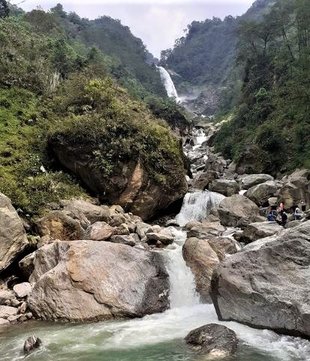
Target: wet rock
x=202, y=260
x=84, y=281
x=238, y=211
x=223, y=245
x=204, y=229
x=203, y=180
x=31, y=344
x=99, y=231
x=267, y=284
x=153, y=238
x=22, y=289
x=214, y=340
x=13, y=240
x=252, y=180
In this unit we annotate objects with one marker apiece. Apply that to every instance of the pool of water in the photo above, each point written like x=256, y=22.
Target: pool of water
x=157, y=337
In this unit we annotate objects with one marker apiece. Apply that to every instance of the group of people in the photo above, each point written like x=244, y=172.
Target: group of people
x=280, y=216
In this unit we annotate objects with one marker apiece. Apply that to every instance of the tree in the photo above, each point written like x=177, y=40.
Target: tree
x=4, y=9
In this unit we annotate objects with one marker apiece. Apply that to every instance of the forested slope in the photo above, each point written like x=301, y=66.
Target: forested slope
x=271, y=128
x=203, y=61
x=58, y=71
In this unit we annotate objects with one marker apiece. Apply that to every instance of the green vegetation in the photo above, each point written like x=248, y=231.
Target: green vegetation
x=205, y=58
x=273, y=115
x=59, y=71
x=114, y=129
x=205, y=54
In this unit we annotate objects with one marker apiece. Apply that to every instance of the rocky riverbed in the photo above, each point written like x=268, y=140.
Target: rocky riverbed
x=83, y=261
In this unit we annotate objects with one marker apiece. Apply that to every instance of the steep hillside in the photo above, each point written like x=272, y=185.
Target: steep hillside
x=126, y=56
x=53, y=83
x=203, y=62
x=270, y=131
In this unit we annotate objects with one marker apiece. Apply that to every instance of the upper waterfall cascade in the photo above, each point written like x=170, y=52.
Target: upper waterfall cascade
x=168, y=83
x=197, y=206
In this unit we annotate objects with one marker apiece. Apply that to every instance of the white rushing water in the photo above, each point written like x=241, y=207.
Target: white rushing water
x=182, y=283
x=197, y=206
x=168, y=83
x=200, y=138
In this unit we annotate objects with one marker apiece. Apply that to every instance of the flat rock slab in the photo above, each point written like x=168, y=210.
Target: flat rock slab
x=258, y=230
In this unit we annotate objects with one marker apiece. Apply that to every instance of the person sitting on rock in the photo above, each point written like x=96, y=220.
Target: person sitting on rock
x=272, y=215
x=281, y=218
x=297, y=214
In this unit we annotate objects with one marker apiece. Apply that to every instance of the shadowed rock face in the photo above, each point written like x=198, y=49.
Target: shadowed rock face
x=85, y=280
x=268, y=285
x=13, y=238
x=130, y=185
x=214, y=340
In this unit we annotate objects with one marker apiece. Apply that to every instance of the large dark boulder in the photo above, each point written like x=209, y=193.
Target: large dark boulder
x=268, y=284
x=216, y=341
x=144, y=182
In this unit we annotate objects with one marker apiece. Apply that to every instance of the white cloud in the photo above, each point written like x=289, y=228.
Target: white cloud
x=158, y=23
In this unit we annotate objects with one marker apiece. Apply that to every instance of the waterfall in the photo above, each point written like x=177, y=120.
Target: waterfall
x=168, y=83
x=182, y=283
x=197, y=206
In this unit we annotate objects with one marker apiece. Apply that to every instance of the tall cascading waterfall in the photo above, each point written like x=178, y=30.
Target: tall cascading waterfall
x=168, y=83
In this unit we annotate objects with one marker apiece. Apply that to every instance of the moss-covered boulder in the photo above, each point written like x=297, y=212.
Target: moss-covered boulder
x=122, y=153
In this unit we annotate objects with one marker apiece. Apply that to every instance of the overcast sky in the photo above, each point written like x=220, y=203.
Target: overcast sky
x=158, y=23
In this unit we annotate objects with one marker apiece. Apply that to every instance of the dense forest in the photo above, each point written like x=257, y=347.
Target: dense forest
x=259, y=66
x=271, y=126
x=205, y=57
x=59, y=72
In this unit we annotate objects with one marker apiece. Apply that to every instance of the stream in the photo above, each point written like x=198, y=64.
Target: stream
x=157, y=337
